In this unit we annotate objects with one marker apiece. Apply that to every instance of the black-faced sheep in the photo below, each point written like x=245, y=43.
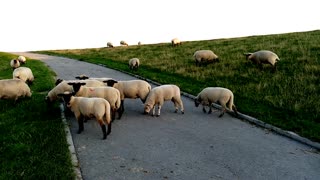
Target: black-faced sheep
x=123, y=43
x=263, y=57
x=175, y=42
x=109, y=44
x=219, y=95
x=162, y=93
x=14, y=89
x=63, y=86
x=23, y=73
x=134, y=63
x=84, y=107
x=204, y=57
x=111, y=94
x=131, y=89
x=14, y=63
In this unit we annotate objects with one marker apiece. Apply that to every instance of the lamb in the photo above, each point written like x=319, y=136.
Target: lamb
x=162, y=93
x=84, y=107
x=22, y=59
x=109, y=44
x=111, y=94
x=14, y=63
x=175, y=42
x=134, y=63
x=23, y=73
x=205, y=56
x=130, y=89
x=83, y=77
x=14, y=89
x=63, y=86
x=211, y=95
x=123, y=43
x=263, y=57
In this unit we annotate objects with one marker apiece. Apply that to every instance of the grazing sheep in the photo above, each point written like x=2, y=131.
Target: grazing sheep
x=162, y=93
x=23, y=73
x=83, y=77
x=139, y=43
x=205, y=56
x=14, y=89
x=22, y=59
x=63, y=86
x=130, y=89
x=263, y=57
x=14, y=63
x=134, y=63
x=109, y=44
x=175, y=42
x=84, y=107
x=211, y=95
x=111, y=94
x=123, y=43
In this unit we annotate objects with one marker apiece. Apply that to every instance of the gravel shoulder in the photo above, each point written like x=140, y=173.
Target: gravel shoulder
x=175, y=146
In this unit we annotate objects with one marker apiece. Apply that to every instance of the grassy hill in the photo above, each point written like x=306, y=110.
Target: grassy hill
x=288, y=98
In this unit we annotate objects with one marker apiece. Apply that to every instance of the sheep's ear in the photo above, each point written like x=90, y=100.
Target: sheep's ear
x=77, y=77
x=110, y=82
x=71, y=83
x=82, y=83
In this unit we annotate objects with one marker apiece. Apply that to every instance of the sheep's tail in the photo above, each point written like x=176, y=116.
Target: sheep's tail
x=231, y=105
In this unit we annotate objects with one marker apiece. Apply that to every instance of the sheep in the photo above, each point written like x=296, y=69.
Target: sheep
x=175, y=42
x=63, y=86
x=134, y=63
x=14, y=63
x=83, y=77
x=263, y=57
x=139, y=43
x=162, y=93
x=23, y=73
x=14, y=89
x=84, y=107
x=109, y=44
x=111, y=94
x=123, y=43
x=130, y=89
x=211, y=95
x=22, y=59
x=205, y=56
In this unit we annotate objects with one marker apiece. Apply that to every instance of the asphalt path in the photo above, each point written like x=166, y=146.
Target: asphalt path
x=186, y=146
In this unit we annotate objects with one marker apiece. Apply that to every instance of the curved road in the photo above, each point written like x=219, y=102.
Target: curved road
x=175, y=146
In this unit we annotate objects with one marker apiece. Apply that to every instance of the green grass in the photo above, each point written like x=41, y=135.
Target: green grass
x=288, y=98
x=32, y=137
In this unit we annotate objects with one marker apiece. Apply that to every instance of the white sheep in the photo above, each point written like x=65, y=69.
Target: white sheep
x=109, y=44
x=134, y=63
x=22, y=59
x=111, y=94
x=175, y=42
x=131, y=89
x=205, y=56
x=263, y=57
x=83, y=77
x=14, y=63
x=14, y=89
x=162, y=93
x=23, y=73
x=123, y=43
x=84, y=107
x=63, y=86
x=219, y=95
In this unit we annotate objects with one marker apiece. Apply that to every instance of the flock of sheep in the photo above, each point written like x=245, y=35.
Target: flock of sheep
x=103, y=98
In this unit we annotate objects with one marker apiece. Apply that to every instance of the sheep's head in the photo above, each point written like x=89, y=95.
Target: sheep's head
x=147, y=108
x=66, y=96
x=76, y=86
x=247, y=55
x=58, y=81
x=197, y=102
x=110, y=82
x=82, y=77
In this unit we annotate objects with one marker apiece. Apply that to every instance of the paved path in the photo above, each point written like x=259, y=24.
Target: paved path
x=175, y=146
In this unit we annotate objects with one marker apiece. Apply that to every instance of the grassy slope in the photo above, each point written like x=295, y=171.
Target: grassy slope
x=288, y=98
x=32, y=137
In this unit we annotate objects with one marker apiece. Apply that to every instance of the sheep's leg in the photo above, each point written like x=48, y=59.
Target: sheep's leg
x=113, y=115
x=109, y=129
x=210, y=107
x=103, y=127
x=80, y=122
x=153, y=110
x=159, y=108
x=175, y=105
x=178, y=103
x=204, y=109
x=121, y=109
x=224, y=109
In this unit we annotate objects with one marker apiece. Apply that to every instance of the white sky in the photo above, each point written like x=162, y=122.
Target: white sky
x=67, y=24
